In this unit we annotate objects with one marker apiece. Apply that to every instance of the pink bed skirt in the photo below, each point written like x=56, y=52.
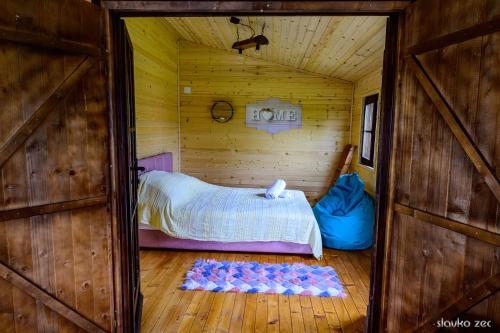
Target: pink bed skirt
x=150, y=238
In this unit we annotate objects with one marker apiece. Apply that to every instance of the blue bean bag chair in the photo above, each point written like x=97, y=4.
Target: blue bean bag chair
x=346, y=215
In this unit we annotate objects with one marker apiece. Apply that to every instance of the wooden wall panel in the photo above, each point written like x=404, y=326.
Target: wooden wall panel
x=155, y=75
x=233, y=155
x=366, y=86
x=430, y=267
x=63, y=258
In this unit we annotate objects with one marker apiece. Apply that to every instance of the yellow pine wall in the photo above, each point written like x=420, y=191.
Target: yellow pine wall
x=233, y=155
x=156, y=90
x=366, y=86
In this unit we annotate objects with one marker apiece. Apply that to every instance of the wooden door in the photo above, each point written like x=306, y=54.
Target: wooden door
x=128, y=177
x=444, y=234
x=55, y=207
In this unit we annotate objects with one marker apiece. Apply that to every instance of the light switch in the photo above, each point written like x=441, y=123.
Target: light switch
x=187, y=90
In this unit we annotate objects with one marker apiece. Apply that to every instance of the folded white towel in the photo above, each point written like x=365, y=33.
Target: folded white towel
x=285, y=194
x=276, y=189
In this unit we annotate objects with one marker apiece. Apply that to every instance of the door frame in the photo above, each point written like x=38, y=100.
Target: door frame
x=383, y=210
x=129, y=303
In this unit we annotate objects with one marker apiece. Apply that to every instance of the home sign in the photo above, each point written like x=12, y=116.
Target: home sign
x=274, y=115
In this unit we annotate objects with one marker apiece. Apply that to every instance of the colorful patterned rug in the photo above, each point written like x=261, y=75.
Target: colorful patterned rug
x=252, y=277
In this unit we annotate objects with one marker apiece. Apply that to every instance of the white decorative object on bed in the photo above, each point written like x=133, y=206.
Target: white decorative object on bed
x=276, y=190
x=188, y=208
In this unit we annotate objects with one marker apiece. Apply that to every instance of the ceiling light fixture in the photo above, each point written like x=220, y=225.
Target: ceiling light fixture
x=253, y=41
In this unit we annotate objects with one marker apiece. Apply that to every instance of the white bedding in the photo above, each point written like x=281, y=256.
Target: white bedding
x=186, y=207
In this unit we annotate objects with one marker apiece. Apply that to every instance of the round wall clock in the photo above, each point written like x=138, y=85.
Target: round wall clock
x=222, y=111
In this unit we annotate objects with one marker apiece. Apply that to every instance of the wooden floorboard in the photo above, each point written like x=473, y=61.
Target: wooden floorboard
x=167, y=308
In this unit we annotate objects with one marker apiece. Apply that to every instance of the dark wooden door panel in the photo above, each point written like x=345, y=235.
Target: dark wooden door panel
x=64, y=149
x=55, y=217
x=127, y=175
x=60, y=24
x=444, y=255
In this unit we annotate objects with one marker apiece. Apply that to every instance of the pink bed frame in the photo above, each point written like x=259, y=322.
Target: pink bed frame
x=152, y=238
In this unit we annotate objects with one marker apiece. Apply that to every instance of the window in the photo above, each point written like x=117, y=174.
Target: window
x=368, y=130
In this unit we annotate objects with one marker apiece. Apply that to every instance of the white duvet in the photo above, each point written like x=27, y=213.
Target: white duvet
x=186, y=207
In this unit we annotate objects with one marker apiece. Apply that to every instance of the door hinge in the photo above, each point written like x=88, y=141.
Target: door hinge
x=115, y=323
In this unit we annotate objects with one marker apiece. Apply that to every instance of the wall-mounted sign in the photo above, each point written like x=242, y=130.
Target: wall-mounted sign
x=274, y=115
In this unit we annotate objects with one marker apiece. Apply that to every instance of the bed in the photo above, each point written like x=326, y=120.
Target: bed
x=182, y=212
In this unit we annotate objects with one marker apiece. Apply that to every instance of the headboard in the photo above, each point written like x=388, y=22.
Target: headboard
x=161, y=162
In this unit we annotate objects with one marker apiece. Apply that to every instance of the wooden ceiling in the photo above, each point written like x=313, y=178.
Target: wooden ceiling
x=345, y=47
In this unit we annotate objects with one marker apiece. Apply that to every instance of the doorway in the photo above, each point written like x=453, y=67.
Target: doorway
x=384, y=138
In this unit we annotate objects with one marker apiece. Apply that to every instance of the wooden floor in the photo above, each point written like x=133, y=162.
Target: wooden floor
x=167, y=308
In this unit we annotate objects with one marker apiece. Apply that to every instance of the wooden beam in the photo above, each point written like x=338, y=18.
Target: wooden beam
x=48, y=42
x=455, y=37
x=344, y=164
x=23, y=133
x=473, y=297
x=252, y=7
x=462, y=228
x=47, y=299
x=19, y=213
x=455, y=126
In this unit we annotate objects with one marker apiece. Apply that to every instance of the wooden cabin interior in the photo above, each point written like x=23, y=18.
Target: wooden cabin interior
x=328, y=65
x=249, y=166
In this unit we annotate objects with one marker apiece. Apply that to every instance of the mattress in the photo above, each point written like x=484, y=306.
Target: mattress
x=186, y=208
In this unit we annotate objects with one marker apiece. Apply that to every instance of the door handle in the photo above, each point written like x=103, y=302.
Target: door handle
x=138, y=168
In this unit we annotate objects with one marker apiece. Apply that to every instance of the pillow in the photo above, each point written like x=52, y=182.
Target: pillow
x=160, y=187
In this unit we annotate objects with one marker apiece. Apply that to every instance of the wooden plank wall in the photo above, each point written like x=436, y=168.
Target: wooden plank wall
x=155, y=74
x=233, y=155
x=366, y=86
x=430, y=267
x=65, y=255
